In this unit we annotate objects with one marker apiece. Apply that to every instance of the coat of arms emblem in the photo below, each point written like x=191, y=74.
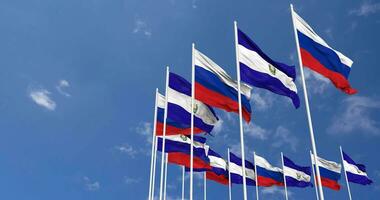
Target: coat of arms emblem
x=272, y=69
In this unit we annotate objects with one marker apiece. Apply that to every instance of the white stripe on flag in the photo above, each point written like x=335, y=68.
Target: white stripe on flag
x=206, y=63
x=298, y=175
x=254, y=61
x=217, y=162
x=330, y=165
x=161, y=101
x=353, y=169
x=184, y=101
x=306, y=29
x=236, y=169
x=262, y=162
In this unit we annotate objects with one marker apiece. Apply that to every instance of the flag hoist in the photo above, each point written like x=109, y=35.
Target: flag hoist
x=240, y=112
x=164, y=135
x=310, y=123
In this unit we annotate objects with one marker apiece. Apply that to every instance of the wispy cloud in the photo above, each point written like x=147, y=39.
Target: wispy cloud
x=127, y=149
x=145, y=129
x=194, y=4
x=42, y=98
x=316, y=82
x=218, y=127
x=356, y=116
x=262, y=100
x=62, y=85
x=366, y=8
x=271, y=191
x=130, y=180
x=283, y=137
x=256, y=131
x=141, y=27
x=91, y=185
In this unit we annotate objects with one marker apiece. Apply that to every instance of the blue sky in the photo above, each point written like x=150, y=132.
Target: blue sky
x=78, y=78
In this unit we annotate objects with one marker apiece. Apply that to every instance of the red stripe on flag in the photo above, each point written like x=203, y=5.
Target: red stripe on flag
x=217, y=178
x=268, y=182
x=184, y=160
x=337, y=79
x=171, y=130
x=330, y=183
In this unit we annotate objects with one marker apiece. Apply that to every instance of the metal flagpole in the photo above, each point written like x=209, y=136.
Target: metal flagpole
x=192, y=121
x=256, y=179
x=166, y=174
x=314, y=148
x=153, y=145
x=240, y=112
x=183, y=182
x=345, y=173
x=315, y=179
x=164, y=133
x=154, y=167
x=229, y=176
x=204, y=186
x=283, y=172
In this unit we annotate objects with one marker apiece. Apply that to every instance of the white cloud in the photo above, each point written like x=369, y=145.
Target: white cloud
x=356, y=116
x=261, y=100
x=194, y=4
x=142, y=28
x=218, y=127
x=41, y=97
x=91, y=185
x=145, y=129
x=275, y=191
x=283, y=137
x=127, y=149
x=256, y=131
x=315, y=82
x=62, y=84
x=366, y=8
x=129, y=180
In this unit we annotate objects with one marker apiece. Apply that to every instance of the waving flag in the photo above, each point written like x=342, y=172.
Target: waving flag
x=218, y=172
x=317, y=55
x=172, y=127
x=179, y=105
x=258, y=70
x=215, y=87
x=267, y=175
x=178, y=149
x=295, y=175
x=330, y=172
x=236, y=170
x=356, y=173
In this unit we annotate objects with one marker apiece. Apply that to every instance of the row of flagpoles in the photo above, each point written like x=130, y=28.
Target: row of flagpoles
x=187, y=108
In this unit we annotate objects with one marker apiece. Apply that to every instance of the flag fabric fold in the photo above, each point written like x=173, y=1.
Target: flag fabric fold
x=179, y=105
x=317, y=55
x=329, y=171
x=216, y=88
x=356, y=173
x=236, y=170
x=267, y=175
x=295, y=175
x=259, y=70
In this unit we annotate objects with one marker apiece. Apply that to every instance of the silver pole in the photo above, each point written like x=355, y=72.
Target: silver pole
x=229, y=177
x=283, y=172
x=256, y=175
x=153, y=145
x=345, y=173
x=315, y=179
x=314, y=148
x=192, y=122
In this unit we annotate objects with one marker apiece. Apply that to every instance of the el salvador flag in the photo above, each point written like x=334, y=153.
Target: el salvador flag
x=356, y=173
x=236, y=170
x=295, y=175
x=179, y=105
x=258, y=70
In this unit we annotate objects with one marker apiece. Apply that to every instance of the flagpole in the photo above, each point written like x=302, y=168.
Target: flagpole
x=283, y=172
x=345, y=173
x=164, y=133
x=166, y=174
x=154, y=167
x=229, y=176
x=183, y=182
x=192, y=120
x=256, y=179
x=153, y=145
x=240, y=112
x=315, y=180
x=204, y=186
x=314, y=148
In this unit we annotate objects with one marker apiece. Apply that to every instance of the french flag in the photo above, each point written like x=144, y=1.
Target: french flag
x=259, y=70
x=330, y=173
x=267, y=175
x=356, y=173
x=236, y=170
x=216, y=88
x=317, y=55
x=178, y=149
x=295, y=175
x=179, y=106
x=172, y=127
